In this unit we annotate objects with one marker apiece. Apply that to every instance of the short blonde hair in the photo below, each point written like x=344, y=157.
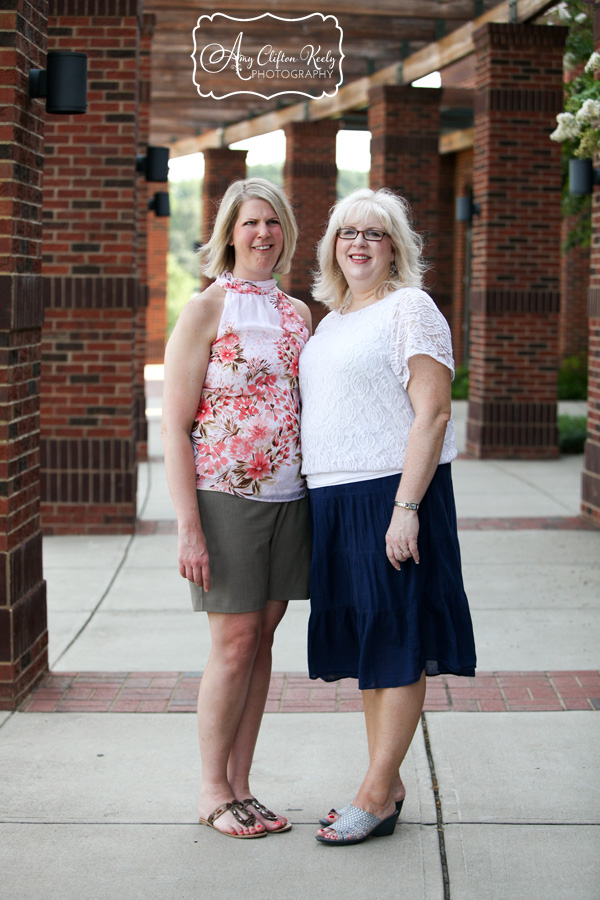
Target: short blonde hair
x=218, y=255
x=392, y=213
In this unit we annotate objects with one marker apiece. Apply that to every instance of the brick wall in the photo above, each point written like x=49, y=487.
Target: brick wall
x=310, y=178
x=590, y=494
x=221, y=167
x=91, y=280
x=23, y=624
x=404, y=123
x=515, y=296
x=148, y=23
x=574, y=284
x=156, y=315
x=463, y=184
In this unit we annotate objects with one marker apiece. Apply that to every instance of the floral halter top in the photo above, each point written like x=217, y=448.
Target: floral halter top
x=246, y=436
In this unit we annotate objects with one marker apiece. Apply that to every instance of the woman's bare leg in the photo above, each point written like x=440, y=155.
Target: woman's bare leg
x=398, y=789
x=221, y=700
x=394, y=715
x=242, y=750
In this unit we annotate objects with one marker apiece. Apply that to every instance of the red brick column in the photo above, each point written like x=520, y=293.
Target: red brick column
x=221, y=167
x=310, y=179
x=144, y=94
x=23, y=624
x=156, y=314
x=404, y=123
x=91, y=287
x=515, y=294
x=590, y=482
x=574, y=284
x=461, y=262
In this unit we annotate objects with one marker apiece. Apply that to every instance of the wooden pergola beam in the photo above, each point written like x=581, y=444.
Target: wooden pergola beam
x=354, y=95
x=410, y=9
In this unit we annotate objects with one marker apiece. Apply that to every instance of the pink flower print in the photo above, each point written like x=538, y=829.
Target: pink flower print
x=205, y=412
x=242, y=447
x=259, y=466
x=258, y=432
x=256, y=392
x=227, y=355
x=245, y=407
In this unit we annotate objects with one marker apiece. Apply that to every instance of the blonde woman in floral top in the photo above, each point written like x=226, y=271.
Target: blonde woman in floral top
x=232, y=453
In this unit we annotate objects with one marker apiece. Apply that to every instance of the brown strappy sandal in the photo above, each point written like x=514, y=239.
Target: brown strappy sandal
x=265, y=813
x=234, y=808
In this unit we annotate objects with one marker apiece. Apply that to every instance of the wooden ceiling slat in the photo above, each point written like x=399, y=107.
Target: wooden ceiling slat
x=244, y=9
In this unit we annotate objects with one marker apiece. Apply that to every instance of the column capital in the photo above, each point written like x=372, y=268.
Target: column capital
x=502, y=34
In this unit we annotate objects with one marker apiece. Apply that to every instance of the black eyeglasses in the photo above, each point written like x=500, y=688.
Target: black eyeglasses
x=369, y=234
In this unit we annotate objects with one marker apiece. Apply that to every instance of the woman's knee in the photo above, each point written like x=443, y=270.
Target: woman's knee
x=237, y=647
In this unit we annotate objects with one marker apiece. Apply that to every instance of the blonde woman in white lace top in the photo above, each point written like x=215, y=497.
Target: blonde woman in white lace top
x=388, y=605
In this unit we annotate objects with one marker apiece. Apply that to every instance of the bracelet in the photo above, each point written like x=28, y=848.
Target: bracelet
x=406, y=505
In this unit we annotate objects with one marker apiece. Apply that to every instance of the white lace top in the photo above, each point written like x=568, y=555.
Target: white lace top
x=356, y=412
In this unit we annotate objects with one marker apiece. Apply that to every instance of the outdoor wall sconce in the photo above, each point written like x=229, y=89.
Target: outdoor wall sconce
x=160, y=204
x=63, y=82
x=582, y=176
x=466, y=209
x=155, y=164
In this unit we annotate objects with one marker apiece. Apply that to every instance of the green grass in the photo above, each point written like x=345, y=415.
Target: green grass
x=460, y=385
x=573, y=378
x=571, y=433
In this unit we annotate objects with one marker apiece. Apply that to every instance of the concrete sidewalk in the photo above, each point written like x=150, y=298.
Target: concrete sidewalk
x=502, y=785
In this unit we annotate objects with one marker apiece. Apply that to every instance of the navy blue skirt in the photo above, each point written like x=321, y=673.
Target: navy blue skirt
x=369, y=621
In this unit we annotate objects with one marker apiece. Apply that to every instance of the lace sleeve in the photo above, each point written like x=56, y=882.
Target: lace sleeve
x=418, y=327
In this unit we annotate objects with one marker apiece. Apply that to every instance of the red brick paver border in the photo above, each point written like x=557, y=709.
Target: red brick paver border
x=163, y=692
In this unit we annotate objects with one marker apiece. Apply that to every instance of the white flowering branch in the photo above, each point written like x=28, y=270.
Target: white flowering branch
x=582, y=123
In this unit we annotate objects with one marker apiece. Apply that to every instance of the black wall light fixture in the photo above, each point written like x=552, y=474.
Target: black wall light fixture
x=582, y=176
x=155, y=164
x=63, y=82
x=160, y=204
x=466, y=209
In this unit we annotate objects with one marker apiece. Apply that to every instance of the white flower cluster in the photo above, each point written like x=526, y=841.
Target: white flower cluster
x=589, y=113
x=593, y=63
x=568, y=128
x=584, y=125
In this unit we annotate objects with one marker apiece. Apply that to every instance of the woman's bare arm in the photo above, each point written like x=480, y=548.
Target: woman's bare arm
x=186, y=361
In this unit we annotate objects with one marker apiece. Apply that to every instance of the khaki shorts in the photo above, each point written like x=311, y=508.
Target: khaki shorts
x=257, y=551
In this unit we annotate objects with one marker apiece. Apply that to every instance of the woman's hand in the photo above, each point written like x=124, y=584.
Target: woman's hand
x=401, y=537
x=193, y=559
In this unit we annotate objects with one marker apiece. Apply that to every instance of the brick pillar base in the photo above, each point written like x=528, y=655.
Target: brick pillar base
x=221, y=167
x=23, y=621
x=310, y=177
x=404, y=123
x=515, y=295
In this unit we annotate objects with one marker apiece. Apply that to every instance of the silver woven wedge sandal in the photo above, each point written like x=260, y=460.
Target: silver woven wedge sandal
x=356, y=825
x=340, y=812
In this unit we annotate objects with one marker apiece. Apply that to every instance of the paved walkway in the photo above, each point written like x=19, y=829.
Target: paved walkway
x=99, y=770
